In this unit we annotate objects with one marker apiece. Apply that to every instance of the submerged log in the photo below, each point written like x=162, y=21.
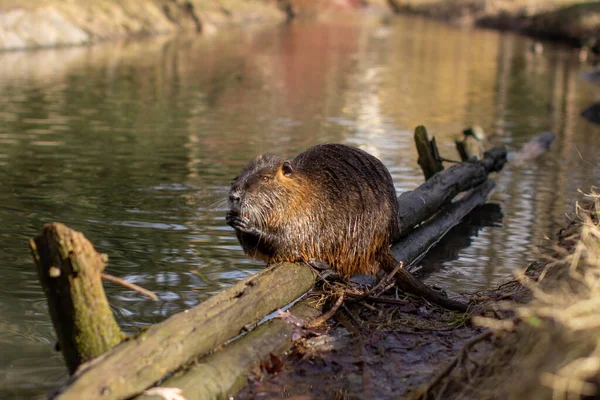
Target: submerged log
x=69, y=270
x=136, y=364
x=535, y=147
x=411, y=248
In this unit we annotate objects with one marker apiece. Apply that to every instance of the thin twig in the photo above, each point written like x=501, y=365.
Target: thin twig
x=129, y=285
x=368, y=306
x=386, y=278
x=454, y=362
x=357, y=297
x=371, y=294
x=318, y=321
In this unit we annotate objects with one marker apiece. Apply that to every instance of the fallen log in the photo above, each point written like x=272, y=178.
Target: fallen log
x=223, y=373
x=134, y=365
x=416, y=245
x=411, y=248
x=219, y=375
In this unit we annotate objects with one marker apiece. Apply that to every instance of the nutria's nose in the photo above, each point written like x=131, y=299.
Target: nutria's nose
x=234, y=198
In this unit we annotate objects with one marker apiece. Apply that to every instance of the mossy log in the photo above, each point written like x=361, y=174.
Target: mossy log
x=425, y=201
x=70, y=270
x=135, y=365
x=223, y=373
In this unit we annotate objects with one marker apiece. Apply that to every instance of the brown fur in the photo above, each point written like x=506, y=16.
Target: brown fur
x=332, y=203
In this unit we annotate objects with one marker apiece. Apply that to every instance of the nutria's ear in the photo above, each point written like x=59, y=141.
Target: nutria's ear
x=286, y=169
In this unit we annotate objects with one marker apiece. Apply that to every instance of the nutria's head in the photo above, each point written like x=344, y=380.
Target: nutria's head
x=266, y=187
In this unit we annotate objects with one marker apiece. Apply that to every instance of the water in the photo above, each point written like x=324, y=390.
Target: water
x=134, y=144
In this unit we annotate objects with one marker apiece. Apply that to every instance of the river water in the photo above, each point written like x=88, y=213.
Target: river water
x=134, y=144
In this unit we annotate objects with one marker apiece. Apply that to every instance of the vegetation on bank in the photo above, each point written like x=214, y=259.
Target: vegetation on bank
x=577, y=22
x=36, y=23
x=551, y=345
x=51, y=23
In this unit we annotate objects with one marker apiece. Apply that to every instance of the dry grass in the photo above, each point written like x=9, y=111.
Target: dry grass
x=549, y=348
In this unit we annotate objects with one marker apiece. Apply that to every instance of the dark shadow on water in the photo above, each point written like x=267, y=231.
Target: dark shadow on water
x=460, y=237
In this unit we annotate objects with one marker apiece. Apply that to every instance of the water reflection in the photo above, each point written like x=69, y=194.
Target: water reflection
x=135, y=143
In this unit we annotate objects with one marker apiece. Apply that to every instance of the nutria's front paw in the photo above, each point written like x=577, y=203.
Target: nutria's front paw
x=230, y=216
x=241, y=224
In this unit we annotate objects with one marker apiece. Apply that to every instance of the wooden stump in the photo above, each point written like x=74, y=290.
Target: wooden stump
x=69, y=269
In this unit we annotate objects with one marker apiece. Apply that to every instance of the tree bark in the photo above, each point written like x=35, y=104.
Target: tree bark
x=69, y=269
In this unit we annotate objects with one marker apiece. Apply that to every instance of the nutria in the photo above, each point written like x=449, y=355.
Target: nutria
x=332, y=203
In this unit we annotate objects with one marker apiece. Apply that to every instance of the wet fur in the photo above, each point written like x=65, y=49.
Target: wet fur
x=338, y=205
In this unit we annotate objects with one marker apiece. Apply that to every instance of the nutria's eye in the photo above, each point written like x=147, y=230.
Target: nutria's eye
x=265, y=178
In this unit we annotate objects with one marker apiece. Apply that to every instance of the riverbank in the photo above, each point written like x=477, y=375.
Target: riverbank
x=53, y=23
x=35, y=23
x=573, y=22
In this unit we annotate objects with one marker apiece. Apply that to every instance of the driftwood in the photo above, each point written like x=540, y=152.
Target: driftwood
x=69, y=269
x=420, y=204
x=134, y=365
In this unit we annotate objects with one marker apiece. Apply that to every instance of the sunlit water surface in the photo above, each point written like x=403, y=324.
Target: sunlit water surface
x=135, y=144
